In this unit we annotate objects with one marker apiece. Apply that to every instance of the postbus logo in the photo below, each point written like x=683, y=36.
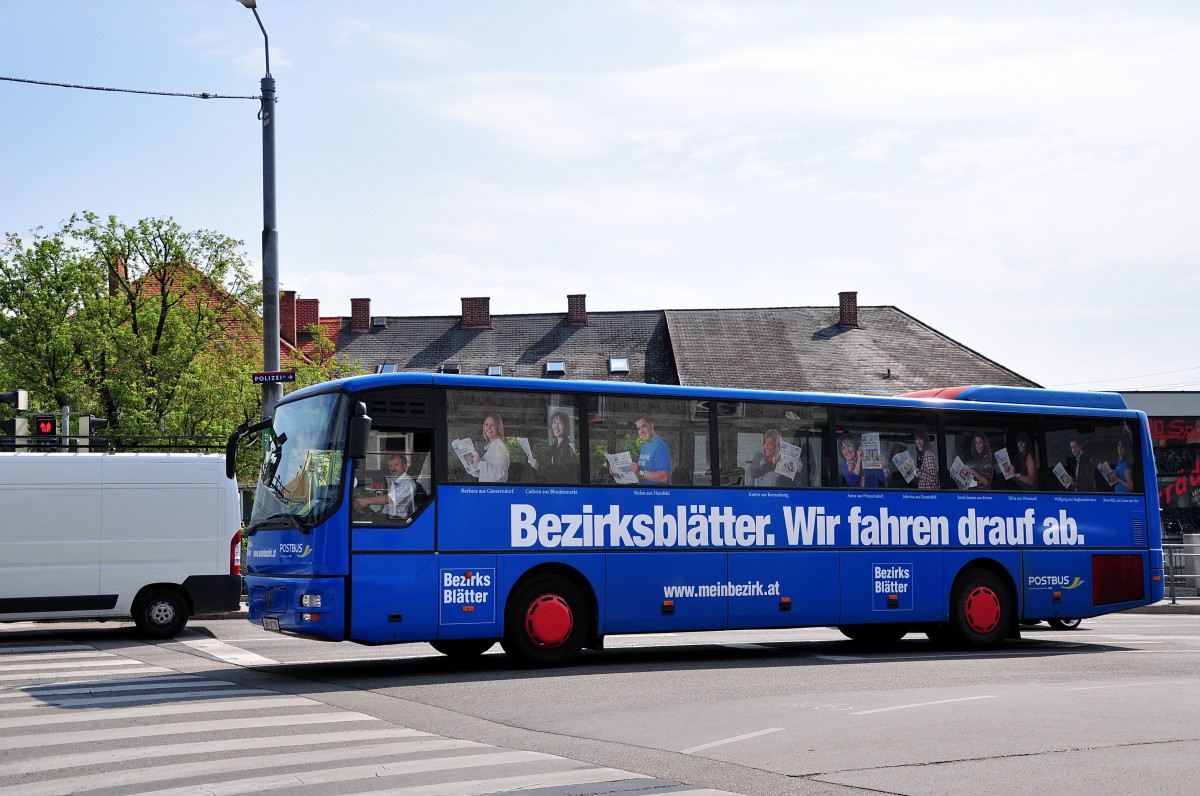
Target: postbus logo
x=1064, y=582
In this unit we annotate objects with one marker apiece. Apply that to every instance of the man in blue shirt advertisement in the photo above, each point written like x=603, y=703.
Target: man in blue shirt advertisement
x=654, y=463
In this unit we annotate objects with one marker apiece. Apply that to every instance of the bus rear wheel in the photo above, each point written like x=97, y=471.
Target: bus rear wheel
x=462, y=648
x=546, y=622
x=160, y=613
x=981, y=610
x=1064, y=624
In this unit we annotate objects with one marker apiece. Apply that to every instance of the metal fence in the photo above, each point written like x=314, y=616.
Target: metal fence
x=1182, y=563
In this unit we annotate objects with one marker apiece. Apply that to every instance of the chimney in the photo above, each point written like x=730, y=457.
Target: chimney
x=287, y=316
x=360, y=314
x=848, y=301
x=577, y=309
x=308, y=313
x=477, y=313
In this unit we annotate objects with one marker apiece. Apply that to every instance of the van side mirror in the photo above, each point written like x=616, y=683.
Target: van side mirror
x=360, y=432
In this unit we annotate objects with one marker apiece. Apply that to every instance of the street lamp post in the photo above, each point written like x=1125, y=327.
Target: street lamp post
x=271, y=391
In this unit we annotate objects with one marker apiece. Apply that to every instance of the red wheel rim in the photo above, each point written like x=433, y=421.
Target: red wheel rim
x=982, y=610
x=549, y=621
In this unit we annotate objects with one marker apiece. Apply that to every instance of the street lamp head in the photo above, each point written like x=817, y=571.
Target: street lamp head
x=248, y=3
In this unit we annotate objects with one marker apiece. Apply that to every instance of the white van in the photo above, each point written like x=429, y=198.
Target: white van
x=152, y=536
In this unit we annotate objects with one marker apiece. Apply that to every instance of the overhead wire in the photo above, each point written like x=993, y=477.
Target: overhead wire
x=201, y=95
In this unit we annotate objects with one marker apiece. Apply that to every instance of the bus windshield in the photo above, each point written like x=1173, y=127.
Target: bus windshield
x=301, y=476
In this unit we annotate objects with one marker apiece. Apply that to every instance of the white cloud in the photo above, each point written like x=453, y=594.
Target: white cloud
x=418, y=46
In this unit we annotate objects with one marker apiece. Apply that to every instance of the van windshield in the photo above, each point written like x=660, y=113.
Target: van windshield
x=301, y=477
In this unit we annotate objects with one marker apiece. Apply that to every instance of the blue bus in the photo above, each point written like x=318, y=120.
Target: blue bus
x=545, y=514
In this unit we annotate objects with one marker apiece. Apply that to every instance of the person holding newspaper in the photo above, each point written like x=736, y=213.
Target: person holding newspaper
x=492, y=466
x=765, y=471
x=854, y=474
x=981, y=467
x=1026, y=468
x=927, y=465
x=1124, y=484
x=561, y=464
x=654, y=461
x=1081, y=473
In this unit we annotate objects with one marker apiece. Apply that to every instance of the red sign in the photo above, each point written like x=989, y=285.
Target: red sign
x=1174, y=429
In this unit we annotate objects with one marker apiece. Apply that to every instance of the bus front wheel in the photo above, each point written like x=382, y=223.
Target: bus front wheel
x=546, y=622
x=981, y=610
x=462, y=648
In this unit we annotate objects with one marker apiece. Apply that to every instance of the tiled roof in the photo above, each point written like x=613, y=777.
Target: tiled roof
x=522, y=344
x=804, y=348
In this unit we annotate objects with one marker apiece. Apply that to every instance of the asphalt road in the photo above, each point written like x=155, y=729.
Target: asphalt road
x=1111, y=707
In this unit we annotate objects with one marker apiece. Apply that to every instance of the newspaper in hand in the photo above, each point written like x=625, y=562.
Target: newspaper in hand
x=1110, y=477
x=1060, y=473
x=872, y=454
x=958, y=471
x=906, y=464
x=789, y=459
x=524, y=443
x=621, y=465
x=465, y=448
x=1004, y=465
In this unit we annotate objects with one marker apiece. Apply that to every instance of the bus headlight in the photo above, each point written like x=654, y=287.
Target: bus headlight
x=310, y=601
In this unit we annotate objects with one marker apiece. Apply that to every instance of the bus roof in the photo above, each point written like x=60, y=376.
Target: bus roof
x=992, y=394
x=1024, y=395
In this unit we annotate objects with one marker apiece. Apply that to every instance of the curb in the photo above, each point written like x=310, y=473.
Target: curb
x=1182, y=605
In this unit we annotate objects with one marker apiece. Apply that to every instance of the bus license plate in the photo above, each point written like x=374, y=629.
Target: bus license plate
x=270, y=623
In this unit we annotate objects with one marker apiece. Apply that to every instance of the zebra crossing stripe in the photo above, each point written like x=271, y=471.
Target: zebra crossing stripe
x=122, y=714
x=180, y=728
x=84, y=674
x=42, y=704
x=141, y=776
x=76, y=759
x=354, y=773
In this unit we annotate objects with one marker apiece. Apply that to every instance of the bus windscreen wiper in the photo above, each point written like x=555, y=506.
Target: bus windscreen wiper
x=274, y=522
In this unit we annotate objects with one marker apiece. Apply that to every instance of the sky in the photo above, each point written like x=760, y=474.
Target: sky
x=1024, y=177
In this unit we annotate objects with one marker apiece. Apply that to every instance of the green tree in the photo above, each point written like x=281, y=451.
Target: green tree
x=42, y=286
x=146, y=324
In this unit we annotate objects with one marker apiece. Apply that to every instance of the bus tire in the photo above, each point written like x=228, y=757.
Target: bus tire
x=462, y=648
x=981, y=610
x=160, y=613
x=1064, y=624
x=880, y=635
x=546, y=622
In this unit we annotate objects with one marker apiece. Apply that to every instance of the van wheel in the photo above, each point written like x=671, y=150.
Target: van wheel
x=462, y=648
x=981, y=610
x=546, y=622
x=160, y=613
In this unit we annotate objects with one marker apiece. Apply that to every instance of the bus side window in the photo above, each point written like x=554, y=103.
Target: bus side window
x=772, y=446
x=645, y=441
x=393, y=483
x=886, y=449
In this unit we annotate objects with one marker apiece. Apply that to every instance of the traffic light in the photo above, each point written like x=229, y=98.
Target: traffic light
x=44, y=433
x=88, y=426
x=17, y=399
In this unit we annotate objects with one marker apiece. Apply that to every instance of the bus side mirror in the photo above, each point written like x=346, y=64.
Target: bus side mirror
x=360, y=432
